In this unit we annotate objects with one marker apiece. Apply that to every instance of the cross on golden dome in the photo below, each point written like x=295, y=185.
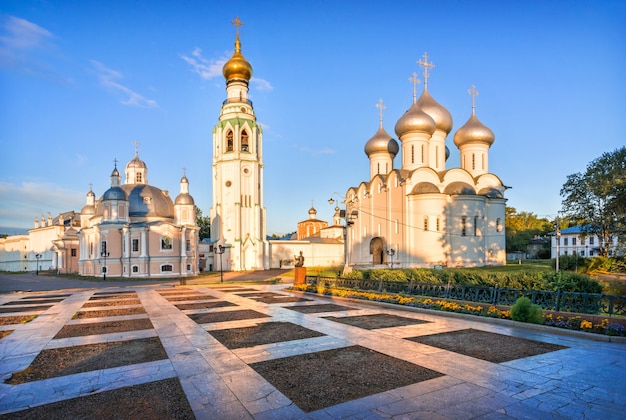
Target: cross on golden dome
x=380, y=106
x=427, y=66
x=413, y=79
x=136, y=143
x=474, y=94
x=237, y=24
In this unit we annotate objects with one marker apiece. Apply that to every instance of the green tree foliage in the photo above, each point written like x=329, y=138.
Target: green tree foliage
x=596, y=198
x=204, y=222
x=522, y=227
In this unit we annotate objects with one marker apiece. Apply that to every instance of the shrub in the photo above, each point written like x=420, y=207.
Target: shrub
x=525, y=311
x=571, y=282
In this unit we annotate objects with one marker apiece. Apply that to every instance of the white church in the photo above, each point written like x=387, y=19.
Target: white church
x=423, y=214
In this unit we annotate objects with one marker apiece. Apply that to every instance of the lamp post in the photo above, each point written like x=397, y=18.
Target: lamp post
x=105, y=268
x=37, y=256
x=220, y=250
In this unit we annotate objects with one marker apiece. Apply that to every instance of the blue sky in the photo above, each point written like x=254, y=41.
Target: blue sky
x=80, y=81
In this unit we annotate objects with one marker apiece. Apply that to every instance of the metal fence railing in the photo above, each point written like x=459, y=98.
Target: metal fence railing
x=557, y=300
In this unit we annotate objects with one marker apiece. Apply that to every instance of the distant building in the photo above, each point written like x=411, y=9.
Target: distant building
x=133, y=229
x=424, y=214
x=575, y=241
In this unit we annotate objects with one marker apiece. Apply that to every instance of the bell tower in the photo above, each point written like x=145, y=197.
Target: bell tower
x=238, y=214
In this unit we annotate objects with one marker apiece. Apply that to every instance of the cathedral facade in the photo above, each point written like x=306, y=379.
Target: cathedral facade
x=137, y=230
x=238, y=215
x=424, y=214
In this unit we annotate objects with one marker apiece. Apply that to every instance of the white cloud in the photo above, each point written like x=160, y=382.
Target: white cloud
x=108, y=78
x=261, y=84
x=207, y=69
x=21, y=203
x=21, y=34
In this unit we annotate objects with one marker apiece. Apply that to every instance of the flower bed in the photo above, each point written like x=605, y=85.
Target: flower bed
x=605, y=326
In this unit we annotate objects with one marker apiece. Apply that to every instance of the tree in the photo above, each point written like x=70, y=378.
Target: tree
x=522, y=227
x=596, y=198
x=204, y=222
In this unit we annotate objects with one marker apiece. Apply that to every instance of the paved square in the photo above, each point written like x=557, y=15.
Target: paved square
x=574, y=378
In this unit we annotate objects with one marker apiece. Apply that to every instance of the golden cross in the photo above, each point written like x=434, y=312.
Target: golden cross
x=136, y=143
x=184, y=171
x=415, y=82
x=90, y=186
x=427, y=66
x=380, y=106
x=115, y=162
x=474, y=94
x=237, y=24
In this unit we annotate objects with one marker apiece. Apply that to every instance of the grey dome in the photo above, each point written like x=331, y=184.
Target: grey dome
x=415, y=120
x=148, y=201
x=459, y=188
x=114, y=193
x=474, y=132
x=491, y=192
x=381, y=143
x=425, y=188
x=184, y=198
x=441, y=116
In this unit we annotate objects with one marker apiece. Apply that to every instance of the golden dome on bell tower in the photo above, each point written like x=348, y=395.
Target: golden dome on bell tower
x=237, y=67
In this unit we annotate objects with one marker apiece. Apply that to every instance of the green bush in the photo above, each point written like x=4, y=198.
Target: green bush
x=525, y=311
x=571, y=282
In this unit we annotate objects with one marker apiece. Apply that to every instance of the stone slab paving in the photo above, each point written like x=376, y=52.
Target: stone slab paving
x=585, y=380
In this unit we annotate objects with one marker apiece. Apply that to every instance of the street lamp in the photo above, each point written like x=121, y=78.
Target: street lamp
x=220, y=250
x=390, y=252
x=37, y=256
x=105, y=268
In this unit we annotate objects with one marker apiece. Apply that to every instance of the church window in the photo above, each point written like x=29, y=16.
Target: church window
x=135, y=245
x=90, y=248
x=378, y=169
x=475, y=225
x=103, y=248
x=188, y=245
x=73, y=252
x=229, y=141
x=463, y=226
x=244, y=141
x=498, y=225
x=138, y=178
x=188, y=267
x=166, y=242
x=425, y=223
x=135, y=269
x=422, y=152
x=412, y=154
x=438, y=223
x=167, y=267
x=473, y=161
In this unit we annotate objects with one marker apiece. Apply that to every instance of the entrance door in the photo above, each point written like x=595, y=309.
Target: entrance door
x=377, y=249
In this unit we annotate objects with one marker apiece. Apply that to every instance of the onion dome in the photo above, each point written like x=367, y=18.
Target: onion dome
x=415, y=120
x=447, y=153
x=237, y=67
x=89, y=208
x=381, y=143
x=148, y=201
x=136, y=163
x=474, y=132
x=184, y=197
x=312, y=213
x=491, y=192
x=441, y=116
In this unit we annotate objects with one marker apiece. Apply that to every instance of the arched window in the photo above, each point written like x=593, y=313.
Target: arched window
x=463, y=225
x=244, y=141
x=498, y=225
x=473, y=161
x=438, y=223
x=229, y=141
x=412, y=154
x=425, y=223
x=422, y=151
x=475, y=225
